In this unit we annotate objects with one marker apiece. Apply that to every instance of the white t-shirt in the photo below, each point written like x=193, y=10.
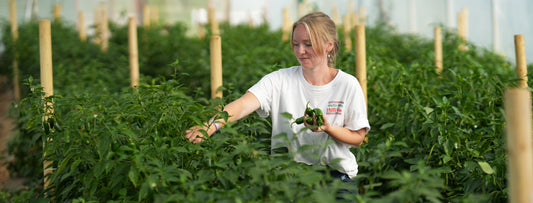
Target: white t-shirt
x=341, y=100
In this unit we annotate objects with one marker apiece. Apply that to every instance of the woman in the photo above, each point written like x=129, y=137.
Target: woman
x=315, y=83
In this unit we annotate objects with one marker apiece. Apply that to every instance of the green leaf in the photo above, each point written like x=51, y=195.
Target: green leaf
x=485, y=167
x=428, y=110
x=386, y=125
x=133, y=174
x=286, y=115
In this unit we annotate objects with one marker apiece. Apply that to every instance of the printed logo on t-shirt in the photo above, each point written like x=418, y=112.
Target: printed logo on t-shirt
x=334, y=108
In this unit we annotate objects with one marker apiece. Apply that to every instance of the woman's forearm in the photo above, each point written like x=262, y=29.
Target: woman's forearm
x=346, y=135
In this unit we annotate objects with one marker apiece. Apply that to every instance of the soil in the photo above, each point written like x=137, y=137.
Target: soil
x=7, y=182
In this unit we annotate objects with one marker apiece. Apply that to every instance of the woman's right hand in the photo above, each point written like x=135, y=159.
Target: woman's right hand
x=195, y=135
x=236, y=110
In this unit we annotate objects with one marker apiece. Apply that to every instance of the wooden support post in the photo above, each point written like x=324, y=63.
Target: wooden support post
x=146, y=16
x=336, y=15
x=462, y=28
x=360, y=57
x=154, y=15
x=201, y=31
x=495, y=28
x=360, y=61
x=45, y=46
x=350, y=9
x=301, y=9
x=81, y=27
x=362, y=15
x=13, y=19
x=286, y=26
x=250, y=20
x=15, y=34
x=97, y=25
x=520, y=168
x=521, y=65
x=412, y=17
x=216, y=66
x=355, y=19
x=105, y=28
x=227, y=14
x=134, y=55
x=347, y=32
x=438, y=49
x=57, y=12
x=213, y=21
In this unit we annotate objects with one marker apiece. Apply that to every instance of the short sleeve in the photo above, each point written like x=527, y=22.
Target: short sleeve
x=264, y=90
x=356, y=117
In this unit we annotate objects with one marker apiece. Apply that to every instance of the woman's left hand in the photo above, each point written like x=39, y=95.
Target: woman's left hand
x=321, y=128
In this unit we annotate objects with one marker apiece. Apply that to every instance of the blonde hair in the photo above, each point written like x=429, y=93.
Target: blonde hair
x=320, y=29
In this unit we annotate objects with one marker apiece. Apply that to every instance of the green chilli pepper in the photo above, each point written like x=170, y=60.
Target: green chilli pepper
x=318, y=112
x=308, y=110
x=311, y=113
x=300, y=120
x=309, y=120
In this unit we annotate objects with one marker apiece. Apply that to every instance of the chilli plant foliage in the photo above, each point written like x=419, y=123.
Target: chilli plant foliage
x=434, y=137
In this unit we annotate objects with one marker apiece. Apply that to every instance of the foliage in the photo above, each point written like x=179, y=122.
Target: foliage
x=434, y=138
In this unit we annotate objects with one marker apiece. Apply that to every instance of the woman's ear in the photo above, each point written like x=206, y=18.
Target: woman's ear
x=329, y=46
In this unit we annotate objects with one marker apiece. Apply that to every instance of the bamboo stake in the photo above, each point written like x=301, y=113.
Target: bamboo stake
x=154, y=15
x=105, y=28
x=360, y=61
x=13, y=19
x=81, y=27
x=362, y=15
x=45, y=45
x=227, y=14
x=518, y=119
x=209, y=14
x=201, y=31
x=521, y=66
x=213, y=21
x=250, y=20
x=336, y=15
x=360, y=57
x=15, y=34
x=438, y=49
x=412, y=17
x=495, y=28
x=349, y=9
x=301, y=9
x=352, y=13
x=355, y=19
x=57, y=12
x=216, y=66
x=347, y=32
x=146, y=16
x=97, y=25
x=462, y=28
x=286, y=27
x=134, y=54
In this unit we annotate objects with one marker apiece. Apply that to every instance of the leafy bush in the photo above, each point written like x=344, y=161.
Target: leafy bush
x=435, y=137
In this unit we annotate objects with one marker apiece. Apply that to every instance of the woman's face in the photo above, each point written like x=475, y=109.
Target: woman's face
x=303, y=49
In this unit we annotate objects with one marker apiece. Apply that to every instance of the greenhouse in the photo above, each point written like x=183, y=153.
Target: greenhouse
x=266, y=101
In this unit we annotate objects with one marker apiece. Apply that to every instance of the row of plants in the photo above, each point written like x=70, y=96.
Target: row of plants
x=435, y=137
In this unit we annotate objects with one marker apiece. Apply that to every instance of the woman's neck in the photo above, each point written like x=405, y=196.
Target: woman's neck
x=319, y=76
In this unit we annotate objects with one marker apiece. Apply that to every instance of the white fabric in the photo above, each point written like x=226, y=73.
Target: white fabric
x=341, y=100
